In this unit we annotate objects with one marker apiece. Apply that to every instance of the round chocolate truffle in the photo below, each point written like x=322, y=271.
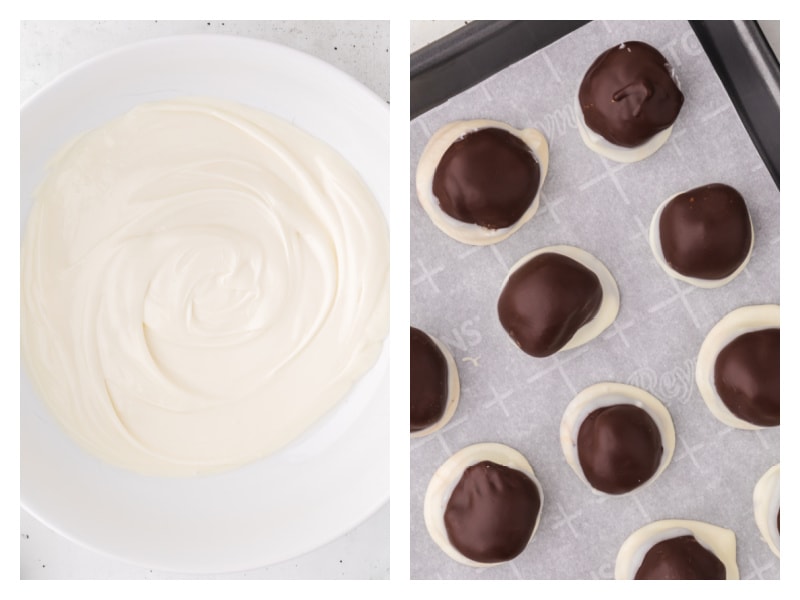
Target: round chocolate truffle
x=681, y=557
x=617, y=437
x=479, y=180
x=767, y=508
x=703, y=236
x=678, y=549
x=434, y=384
x=628, y=101
x=491, y=512
x=557, y=298
x=483, y=505
x=738, y=368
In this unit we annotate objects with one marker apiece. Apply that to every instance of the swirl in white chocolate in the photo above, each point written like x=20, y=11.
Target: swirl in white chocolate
x=201, y=282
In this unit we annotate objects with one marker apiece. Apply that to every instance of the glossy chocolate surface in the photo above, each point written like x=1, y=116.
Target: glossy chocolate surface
x=492, y=512
x=681, y=557
x=706, y=232
x=489, y=177
x=628, y=94
x=429, y=387
x=747, y=377
x=619, y=448
x=546, y=300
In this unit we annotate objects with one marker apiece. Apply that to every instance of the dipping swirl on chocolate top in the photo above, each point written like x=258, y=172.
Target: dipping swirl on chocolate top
x=628, y=94
x=706, y=232
x=489, y=177
x=492, y=512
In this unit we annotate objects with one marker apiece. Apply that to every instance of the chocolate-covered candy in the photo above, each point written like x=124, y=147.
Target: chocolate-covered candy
x=678, y=549
x=738, y=367
x=479, y=180
x=681, y=557
x=492, y=512
x=619, y=448
x=628, y=95
x=747, y=376
x=704, y=233
x=483, y=504
x=434, y=383
x=617, y=437
x=489, y=178
x=550, y=295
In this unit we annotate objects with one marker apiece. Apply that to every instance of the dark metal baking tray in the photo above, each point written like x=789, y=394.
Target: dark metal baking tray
x=738, y=51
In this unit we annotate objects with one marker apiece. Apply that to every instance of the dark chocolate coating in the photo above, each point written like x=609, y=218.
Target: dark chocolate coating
x=546, y=300
x=429, y=387
x=706, y=232
x=619, y=448
x=489, y=177
x=681, y=557
x=747, y=376
x=628, y=94
x=492, y=512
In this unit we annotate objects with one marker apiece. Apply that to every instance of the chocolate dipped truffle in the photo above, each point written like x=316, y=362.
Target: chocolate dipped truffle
x=678, y=549
x=628, y=102
x=483, y=505
x=435, y=386
x=617, y=437
x=557, y=298
x=738, y=368
x=767, y=508
x=479, y=180
x=703, y=236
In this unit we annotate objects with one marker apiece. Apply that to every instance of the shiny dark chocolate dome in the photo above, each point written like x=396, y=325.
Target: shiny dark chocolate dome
x=492, y=512
x=488, y=177
x=429, y=381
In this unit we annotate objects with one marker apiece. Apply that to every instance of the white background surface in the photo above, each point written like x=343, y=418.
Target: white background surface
x=360, y=49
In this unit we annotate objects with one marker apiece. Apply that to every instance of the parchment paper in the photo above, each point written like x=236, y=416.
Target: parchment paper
x=605, y=208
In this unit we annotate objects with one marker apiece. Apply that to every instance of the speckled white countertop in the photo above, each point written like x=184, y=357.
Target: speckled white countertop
x=359, y=48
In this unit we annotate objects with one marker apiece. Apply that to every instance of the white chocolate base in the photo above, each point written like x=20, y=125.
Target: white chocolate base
x=469, y=233
x=597, y=143
x=720, y=541
x=446, y=478
x=658, y=253
x=453, y=392
x=735, y=323
x=766, y=504
x=609, y=306
x=601, y=395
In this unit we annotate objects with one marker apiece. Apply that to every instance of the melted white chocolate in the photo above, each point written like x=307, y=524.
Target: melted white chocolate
x=766, y=504
x=201, y=282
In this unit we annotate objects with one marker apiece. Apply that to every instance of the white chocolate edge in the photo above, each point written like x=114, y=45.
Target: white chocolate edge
x=720, y=541
x=603, y=147
x=766, y=504
x=609, y=305
x=735, y=323
x=440, y=141
x=449, y=474
x=453, y=391
x=658, y=253
x=605, y=394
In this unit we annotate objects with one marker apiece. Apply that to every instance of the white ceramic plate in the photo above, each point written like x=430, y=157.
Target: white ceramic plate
x=316, y=489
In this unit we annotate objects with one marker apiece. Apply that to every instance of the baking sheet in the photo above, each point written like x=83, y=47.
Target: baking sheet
x=604, y=208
